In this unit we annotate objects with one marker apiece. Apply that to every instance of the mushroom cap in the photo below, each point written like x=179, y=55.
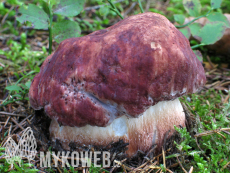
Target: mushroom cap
x=123, y=69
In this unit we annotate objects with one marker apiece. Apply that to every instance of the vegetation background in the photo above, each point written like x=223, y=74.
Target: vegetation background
x=32, y=29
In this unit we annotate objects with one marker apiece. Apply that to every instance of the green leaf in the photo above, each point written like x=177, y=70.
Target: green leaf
x=201, y=166
x=193, y=7
x=198, y=55
x=104, y=11
x=65, y=29
x=35, y=15
x=24, y=87
x=27, y=98
x=26, y=165
x=69, y=7
x=17, y=75
x=52, y=2
x=173, y=155
x=179, y=18
x=212, y=32
x=195, y=28
x=17, y=95
x=13, y=88
x=216, y=4
x=32, y=170
x=186, y=32
x=17, y=167
x=37, y=69
x=28, y=84
x=217, y=16
x=14, y=2
x=192, y=153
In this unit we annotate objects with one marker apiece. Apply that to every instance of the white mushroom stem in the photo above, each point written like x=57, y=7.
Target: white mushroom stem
x=141, y=133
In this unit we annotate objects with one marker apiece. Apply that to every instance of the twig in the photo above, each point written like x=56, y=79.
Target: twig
x=225, y=83
x=201, y=149
x=226, y=132
x=3, y=57
x=122, y=165
x=181, y=165
x=213, y=84
x=210, y=62
x=113, y=168
x=129, y=9
x=138, y=168
x=211, y=132
x=9, y=131
x=163, y=153
x=21, y=122
x=169, y=170
x=191, y=169
x=6, y=15
x=147, y=5
x=12, y=114
x=7, y=121
x=56, y=157
x=159, y=170
x=17, y=123
x=59, y=170
x=174, y=165
x=2, y=65
x=225, y=166
x=5, y=37
x=3, y=30
x=150, y=151
x=28, y=121
x=221, y=135
x=3, y=156
x=152, y=166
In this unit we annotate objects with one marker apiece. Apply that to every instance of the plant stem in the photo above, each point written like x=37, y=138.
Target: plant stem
x=139, y=2
x=205, y=15
x=114, y=8
x=50, y=29
x=198, y=45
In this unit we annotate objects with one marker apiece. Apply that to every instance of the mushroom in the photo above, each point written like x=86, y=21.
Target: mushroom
x=122, y=82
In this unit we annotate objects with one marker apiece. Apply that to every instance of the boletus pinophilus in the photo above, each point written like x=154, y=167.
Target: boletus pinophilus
x=122, y=82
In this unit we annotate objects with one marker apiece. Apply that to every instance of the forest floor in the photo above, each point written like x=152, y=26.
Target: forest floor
x=203, y=145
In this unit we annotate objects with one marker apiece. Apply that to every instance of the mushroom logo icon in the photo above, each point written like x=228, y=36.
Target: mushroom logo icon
x=26, y=147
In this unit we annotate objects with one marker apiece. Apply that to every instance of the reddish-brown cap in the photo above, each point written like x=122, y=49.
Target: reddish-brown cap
x=123, y=69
